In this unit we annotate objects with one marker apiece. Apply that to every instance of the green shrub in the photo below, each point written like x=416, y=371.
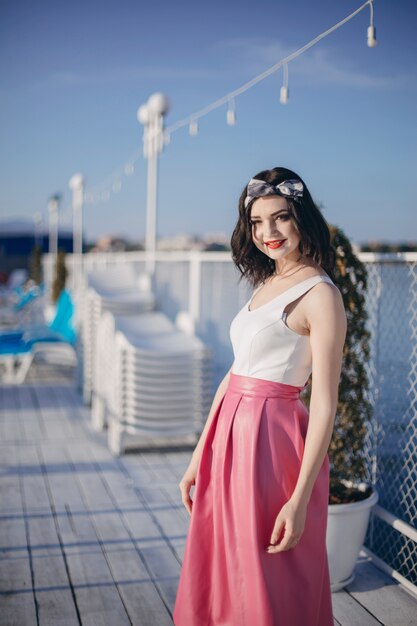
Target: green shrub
x=60, y=275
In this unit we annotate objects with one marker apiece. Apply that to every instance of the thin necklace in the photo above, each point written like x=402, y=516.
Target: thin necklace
x=286, y=275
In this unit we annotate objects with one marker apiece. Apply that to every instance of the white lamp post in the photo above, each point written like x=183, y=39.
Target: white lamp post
x=151, y=115
x=76, y=184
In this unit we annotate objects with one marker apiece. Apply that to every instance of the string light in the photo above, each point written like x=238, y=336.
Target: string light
x=102, y=191
x=231, y=113
x=113, y=183
x=371, y=29
x=193, y=129
x=284, y=94
x=237, y=92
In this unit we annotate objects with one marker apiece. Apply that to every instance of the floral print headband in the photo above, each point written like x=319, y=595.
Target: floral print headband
x=292, y=188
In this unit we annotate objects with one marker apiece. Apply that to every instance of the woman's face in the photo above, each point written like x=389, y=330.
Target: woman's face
x=271, y=222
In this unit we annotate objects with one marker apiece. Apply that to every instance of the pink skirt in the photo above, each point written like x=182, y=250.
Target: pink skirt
x=248, y=469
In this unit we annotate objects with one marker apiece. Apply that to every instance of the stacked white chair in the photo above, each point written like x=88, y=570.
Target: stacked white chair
x=104, y=387
x=118, y=289
x=154, y=380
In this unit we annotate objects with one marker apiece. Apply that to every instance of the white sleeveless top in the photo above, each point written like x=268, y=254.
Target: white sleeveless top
x=265, y=347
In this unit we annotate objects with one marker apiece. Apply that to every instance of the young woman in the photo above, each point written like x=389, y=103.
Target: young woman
x=255, y=553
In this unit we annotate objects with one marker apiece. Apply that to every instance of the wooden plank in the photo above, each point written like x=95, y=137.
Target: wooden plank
x=55, y=427
x=77, y=413
x=97, y=598
x=159, y=556
x=137, y=591
x=118, y=483
x=168, y=508
x=127, y=569
x=165, y=570
x=62, y=484
x=382, y=596
x=17, y=605
x=69, y=411
x=11, y=499
x=17, y=600
x=171, y=519
x=11, y=425
x=348, y=612
x=34, y=490
x=178, y=462
x=111, y=532
x=29, y=417
x=154, y=558
x=52, y=585
x=138, y=469
x=144, y=605
x=95, y=495
x=163, y=558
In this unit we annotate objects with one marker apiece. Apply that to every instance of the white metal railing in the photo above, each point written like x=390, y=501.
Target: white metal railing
x=206, y=284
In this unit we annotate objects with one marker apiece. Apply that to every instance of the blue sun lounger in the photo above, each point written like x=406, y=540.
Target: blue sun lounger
x=18, y=348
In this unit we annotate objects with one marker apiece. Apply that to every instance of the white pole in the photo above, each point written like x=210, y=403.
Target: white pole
x=151, y=115
x=76, y=184
x=150, y=242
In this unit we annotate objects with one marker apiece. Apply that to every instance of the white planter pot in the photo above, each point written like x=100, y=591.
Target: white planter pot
x=346, y=530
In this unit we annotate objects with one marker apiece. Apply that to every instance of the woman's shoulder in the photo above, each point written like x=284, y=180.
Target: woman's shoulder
x=325, y=291
x=313, y=272
x=325, y=298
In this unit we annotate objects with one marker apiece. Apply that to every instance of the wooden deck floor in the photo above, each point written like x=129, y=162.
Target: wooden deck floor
x=89, y=539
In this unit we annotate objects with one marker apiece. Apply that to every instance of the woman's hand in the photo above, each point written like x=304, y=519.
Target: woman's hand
x=290, y=521
x=185, y=485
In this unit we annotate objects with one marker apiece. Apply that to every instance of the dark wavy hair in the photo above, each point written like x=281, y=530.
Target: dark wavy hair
x=307, y=218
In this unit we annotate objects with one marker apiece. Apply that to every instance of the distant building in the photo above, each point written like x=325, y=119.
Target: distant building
x=110, y=243
x=180, y=242
x=184, y=241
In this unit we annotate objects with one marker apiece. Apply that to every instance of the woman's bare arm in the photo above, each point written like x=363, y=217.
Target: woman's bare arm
x=221, y=390
x=188, y=479
x=327, y=322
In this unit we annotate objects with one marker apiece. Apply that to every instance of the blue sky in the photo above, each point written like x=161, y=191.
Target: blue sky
x=72, y=76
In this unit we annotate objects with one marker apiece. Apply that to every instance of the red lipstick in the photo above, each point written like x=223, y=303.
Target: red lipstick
x=276, y=243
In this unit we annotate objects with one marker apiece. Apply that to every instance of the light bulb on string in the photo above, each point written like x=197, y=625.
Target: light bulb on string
x=193, y=129
x=116, y=186
x=284, y=93
x=144, y=115
x=105, y=195
x=371, y=33
x=231, y=113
